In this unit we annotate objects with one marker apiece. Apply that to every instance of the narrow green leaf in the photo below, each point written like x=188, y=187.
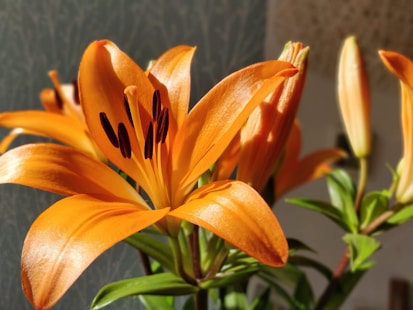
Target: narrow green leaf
x=361, y=249
x=346, y=285
x=296, y=245
x=322, y=207
x=235, y=299
x=373, y=204
x=153, y=247
x=309, y=262
x=303, y=292
x=262, y=302
x=156, y=302
x=405, y=214
x=342, y=194
x=230, y=278
x=157, y=284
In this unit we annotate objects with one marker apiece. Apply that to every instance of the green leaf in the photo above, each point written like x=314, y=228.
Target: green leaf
x=373, y=204
x=322, y=207
x=295, y=245
x=153, y=247
x=361, y=248
x=230, y=278
x=402, y=216
x=290, y=276
x=156, y=284
x=342, y=194
x=156, y=302
x=347, y=283
x=309, y=262
x=235, y=298
x=262, y=302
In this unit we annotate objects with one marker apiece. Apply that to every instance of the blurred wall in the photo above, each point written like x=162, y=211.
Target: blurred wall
x=40, y=35
x=323, y=24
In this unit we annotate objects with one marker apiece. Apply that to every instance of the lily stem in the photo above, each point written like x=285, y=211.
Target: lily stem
x=145, y=262
x=201, y=300
x=196, y=262
x=345, y=258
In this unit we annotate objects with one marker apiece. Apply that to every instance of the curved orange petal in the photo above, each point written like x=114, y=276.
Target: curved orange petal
x=172, y=72
x=235, y=212
x=314, y=165
x=52, y=125
x=66, y=238
x=399, y=65
x=105, y=71
x=11, y=136
x=218, y=116
x=402, y=68
x=62, y=170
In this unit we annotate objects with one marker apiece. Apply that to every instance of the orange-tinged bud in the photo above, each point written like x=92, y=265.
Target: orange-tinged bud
x=354, y=97
x=402, y=68
x=267, y=129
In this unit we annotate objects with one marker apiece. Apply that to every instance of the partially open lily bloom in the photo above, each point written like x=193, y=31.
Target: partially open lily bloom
x=259, y=145
x=402, y=68
x=141, y=123
x=295, y=171
x=62, y=119
x=354, y=97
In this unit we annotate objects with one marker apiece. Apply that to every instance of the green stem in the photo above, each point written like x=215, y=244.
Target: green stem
x=363, y=174
x=196, y=262
x=201, y=300
x=345, y=258
x=178, y=261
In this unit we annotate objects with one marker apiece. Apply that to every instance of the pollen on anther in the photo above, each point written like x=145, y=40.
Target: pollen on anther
x=163, y=124
x=75, y=92
x=59, y=100
x=148, y=152
x=107, y=127
x=127, y=109
x=156, y=105
x=124, y=142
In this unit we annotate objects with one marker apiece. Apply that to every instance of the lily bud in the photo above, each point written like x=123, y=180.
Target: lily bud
x=264, y=135
x=354, y=97
x=402, y=68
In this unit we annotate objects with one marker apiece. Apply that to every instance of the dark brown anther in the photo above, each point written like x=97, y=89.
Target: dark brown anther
x=163, y=124
x=124, y=142
x=75, y=91
x=59, y=100
x=148, y=152
x=127, y=109
x=156, y=105
x=107, y=127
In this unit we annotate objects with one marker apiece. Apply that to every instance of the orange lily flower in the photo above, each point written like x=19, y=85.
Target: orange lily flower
x=295, y=171
x=258, y=147
x=402, y=68
x=62, y=119
x=354, y=97
x=141, y=123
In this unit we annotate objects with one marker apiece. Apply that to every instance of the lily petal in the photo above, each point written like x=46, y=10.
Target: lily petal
x=171, y=74
x=235, y=212
x=62, y=170
x=218, y=116
x=402, y=67
x=104, y=73
x=66, y=238
x=55, y=126
x=313, y=166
